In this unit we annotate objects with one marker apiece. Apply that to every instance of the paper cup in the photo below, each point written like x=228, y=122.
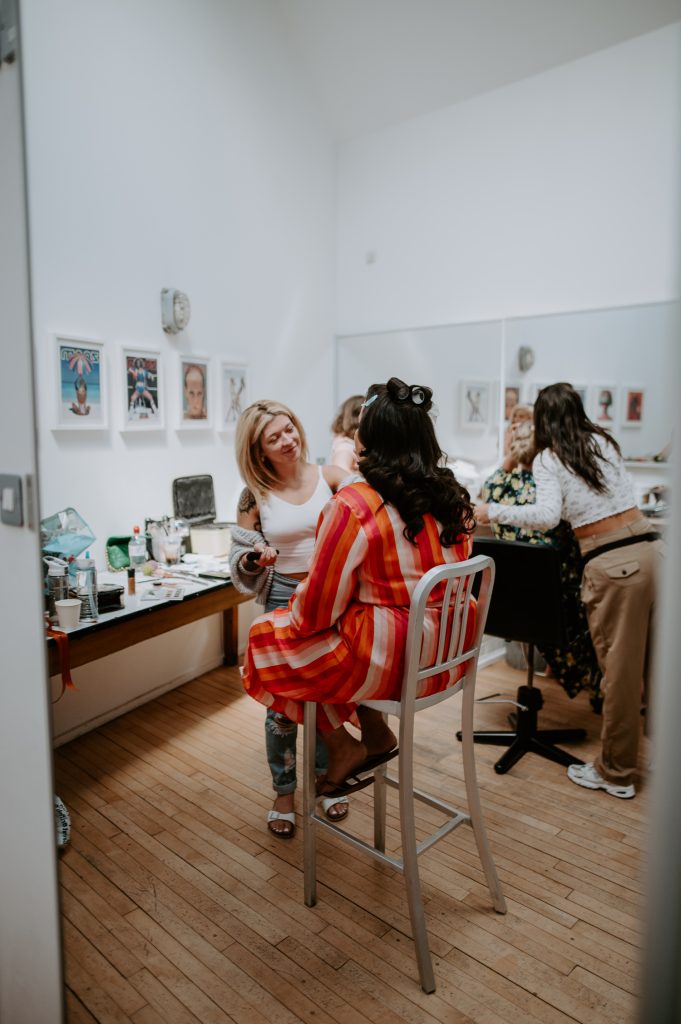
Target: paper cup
x=68, y=612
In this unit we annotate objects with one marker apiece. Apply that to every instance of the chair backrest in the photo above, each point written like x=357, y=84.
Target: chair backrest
x=527, y=604
x=459, y=632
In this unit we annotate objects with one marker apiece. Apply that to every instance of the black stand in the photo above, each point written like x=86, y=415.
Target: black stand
x=526, y=736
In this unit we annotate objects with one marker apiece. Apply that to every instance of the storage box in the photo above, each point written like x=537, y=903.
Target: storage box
x=211, y=539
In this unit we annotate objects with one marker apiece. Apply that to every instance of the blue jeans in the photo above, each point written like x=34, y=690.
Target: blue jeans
x=280, y=731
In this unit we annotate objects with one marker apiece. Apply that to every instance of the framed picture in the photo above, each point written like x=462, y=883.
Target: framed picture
x=511, y=399
x=604, y=405
x=233, y=393
x=533, y=388
x=81, y=379
x=143, y=406
x=583, y=391
x=632, y=406
x=475, y=404
x=195, y=404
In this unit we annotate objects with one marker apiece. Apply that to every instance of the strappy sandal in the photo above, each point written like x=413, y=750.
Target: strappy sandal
x=339, y=804
x=289, y=819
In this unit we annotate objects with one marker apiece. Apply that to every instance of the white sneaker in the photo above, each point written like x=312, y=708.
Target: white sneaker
x=587, y=776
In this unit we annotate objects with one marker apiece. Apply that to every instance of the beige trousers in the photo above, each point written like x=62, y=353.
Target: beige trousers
x=618, y=590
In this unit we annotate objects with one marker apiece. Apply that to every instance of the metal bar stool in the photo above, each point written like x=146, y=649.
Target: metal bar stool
x=449, y=587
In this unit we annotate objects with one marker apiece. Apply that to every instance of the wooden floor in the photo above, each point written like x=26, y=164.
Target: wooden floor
x=178, y=905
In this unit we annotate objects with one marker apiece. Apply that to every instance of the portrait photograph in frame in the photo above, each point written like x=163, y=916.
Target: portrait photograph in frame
x=512, y=392
x=533, y=388
x=233, y=393
x=633, y=404
x=81, y=381
x=604, y=405
x=142, y=387
x=475, y=404
x=195, y=393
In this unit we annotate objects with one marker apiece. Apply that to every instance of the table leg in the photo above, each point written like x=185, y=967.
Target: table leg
x=230, y=634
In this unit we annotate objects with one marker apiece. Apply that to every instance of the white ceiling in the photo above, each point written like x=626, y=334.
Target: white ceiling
x=377, y=62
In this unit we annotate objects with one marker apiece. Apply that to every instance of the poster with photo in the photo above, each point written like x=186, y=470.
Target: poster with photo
x=81, y=398
x=195, y=404
x=475, y=404
x=142, y=390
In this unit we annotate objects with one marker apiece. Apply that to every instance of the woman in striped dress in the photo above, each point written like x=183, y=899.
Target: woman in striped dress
x=342, y=637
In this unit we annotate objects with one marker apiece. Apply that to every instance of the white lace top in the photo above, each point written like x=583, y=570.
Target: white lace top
x=561, y=494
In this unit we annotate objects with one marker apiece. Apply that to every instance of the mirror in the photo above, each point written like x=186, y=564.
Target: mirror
x=615, y=357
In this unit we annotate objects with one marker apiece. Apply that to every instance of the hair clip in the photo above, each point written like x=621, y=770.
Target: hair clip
x=365, y=405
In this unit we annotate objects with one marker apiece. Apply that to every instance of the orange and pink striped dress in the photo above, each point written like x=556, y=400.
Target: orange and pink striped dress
x=342, y=638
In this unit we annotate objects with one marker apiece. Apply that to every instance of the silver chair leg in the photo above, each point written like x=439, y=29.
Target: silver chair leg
x=309, y=803
x=410, y=858
x=380, y=789
x=380, y=793
x=474, y=805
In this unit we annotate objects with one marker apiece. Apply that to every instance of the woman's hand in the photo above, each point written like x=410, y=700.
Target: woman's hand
x=482, y=513
x=266, y=556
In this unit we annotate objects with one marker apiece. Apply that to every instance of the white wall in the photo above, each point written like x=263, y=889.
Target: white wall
x=172, y=146
x=559, y=192
x=179, y=147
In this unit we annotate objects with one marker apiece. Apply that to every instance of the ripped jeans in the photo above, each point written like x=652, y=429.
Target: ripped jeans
x=280, y=731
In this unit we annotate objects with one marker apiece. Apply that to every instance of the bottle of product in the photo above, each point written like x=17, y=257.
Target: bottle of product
x=137, y=549
x=57, y=584
x=86, y=587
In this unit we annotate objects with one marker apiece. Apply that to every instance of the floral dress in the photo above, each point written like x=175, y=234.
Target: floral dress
x=575, y=666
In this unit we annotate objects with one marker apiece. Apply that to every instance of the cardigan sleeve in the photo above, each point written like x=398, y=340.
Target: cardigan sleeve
x=340, y=548
x=257, y=583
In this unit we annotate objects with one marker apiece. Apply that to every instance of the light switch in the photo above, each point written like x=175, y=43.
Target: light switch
x=11, y=512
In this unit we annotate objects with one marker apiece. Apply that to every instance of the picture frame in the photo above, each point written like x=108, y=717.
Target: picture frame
x=512, y=397
x=143, y=404
x=583, y=392
x=604, y=404
x=81, y=396
x=233, y=393
x=195, y=393
x=475, y=404
x=532, y=389
x=633, y=406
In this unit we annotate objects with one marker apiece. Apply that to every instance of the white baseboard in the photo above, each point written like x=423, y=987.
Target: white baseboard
x=135, y=702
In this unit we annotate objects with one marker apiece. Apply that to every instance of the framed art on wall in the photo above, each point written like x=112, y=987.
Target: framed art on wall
x=475, y=404
x=233, y=393
x=604, y=405
x=632, y=407
x=81, y=395
x=194, y=392
x=143, y=408
x=511, y=399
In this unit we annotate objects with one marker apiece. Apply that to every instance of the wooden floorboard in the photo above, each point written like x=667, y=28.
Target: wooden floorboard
x=178, y=906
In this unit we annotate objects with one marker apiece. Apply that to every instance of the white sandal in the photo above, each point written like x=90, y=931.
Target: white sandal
x=287, y=816
x=333, y=801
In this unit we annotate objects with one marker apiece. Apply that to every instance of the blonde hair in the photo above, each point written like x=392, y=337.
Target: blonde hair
x=256, y=471
x=523, y=446
x=347, y=417
x=520, y=413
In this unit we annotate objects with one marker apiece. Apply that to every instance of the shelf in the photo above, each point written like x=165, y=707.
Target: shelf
x=645, y=464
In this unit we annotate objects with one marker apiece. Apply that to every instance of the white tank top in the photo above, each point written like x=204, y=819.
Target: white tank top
x=292, y=528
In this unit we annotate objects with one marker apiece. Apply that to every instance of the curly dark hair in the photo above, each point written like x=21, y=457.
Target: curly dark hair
x=561, y=424
x=402, y=460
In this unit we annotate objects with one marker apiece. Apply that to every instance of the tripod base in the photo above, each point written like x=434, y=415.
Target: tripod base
x=527, y=738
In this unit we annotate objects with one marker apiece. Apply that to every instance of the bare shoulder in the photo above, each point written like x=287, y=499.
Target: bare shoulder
x=247, y=512
x=334, y=476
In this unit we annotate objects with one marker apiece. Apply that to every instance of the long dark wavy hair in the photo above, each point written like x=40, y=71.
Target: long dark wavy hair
x=561, y=424
x=402, y=460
